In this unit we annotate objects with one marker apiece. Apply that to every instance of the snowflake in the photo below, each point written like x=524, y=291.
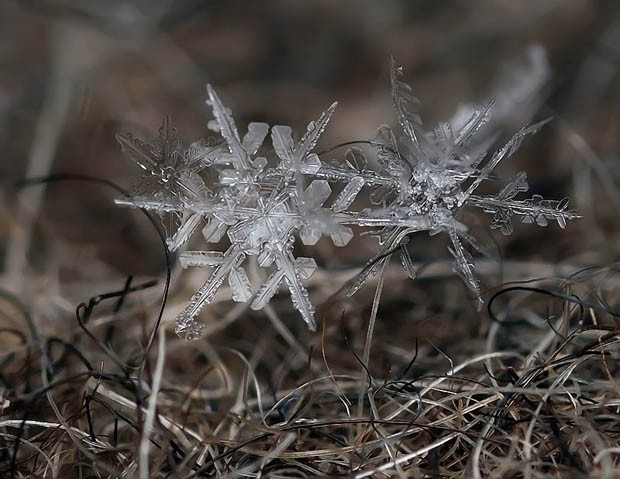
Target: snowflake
x=262, y=207
x=434, y=174
x=171, y=183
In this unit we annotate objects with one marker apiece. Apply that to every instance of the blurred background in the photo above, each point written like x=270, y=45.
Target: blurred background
x=74, y=73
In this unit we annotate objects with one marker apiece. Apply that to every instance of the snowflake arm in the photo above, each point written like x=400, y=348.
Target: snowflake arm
x=392, y=240
x=464, y=264
x=403, y=99
x=240, y=151
x=532, y=210
x=505, y=152
x=189, y=223
x=299, y=158
x=224, y=264
x=313, y=132
x=228, y=129
x=291, y=271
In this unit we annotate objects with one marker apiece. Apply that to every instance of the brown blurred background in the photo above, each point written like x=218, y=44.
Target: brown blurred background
x=73, y=73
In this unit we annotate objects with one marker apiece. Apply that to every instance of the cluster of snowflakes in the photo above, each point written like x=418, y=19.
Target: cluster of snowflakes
x=420, y=181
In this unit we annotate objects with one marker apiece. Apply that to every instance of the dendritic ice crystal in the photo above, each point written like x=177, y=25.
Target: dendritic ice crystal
x=259, y=205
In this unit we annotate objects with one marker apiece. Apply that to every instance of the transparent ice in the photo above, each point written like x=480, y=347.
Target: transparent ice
x=259, y=200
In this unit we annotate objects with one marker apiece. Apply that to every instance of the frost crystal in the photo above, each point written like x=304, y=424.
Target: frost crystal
x=436, y=173
x=261, y=207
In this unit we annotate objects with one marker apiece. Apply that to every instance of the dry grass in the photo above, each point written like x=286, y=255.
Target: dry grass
x=530, y=395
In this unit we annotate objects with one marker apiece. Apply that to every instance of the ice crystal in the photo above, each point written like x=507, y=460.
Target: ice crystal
x=436, y=173
x=261, y=205
x=171, y=183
